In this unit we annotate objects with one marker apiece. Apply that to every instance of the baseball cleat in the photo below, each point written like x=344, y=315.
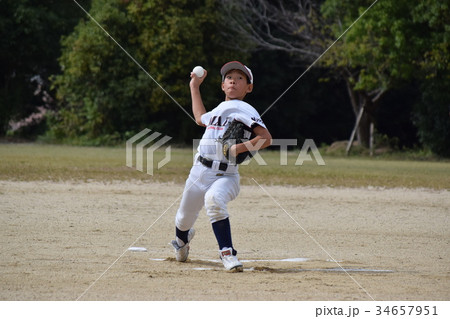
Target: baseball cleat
x=182, y=253
x=230, y=262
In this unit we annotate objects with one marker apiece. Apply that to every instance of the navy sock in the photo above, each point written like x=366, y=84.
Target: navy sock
x=183, y=235
x=222, y=230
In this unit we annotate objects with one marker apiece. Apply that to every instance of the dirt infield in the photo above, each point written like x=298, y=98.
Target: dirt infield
x=68, y=241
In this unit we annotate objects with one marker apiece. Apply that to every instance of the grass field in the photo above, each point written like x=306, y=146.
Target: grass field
x=34, y=162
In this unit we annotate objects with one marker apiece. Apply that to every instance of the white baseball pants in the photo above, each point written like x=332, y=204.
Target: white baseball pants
x=207, y=187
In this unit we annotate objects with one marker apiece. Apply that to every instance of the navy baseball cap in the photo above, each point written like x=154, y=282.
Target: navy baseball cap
x=236, y=65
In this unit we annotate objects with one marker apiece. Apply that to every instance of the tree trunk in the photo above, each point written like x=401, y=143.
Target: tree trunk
x=364, y=130
x=359, y=100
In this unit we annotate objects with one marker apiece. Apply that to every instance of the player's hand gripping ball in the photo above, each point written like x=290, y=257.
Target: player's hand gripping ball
x=198, y=71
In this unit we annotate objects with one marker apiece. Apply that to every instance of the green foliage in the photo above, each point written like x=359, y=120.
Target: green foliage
x=104, y=98
x=396, y=43
x=432, y=113
x=434, y=16
x=379, y=49
x=432, y=116
x=30, y=31
x=104, y=93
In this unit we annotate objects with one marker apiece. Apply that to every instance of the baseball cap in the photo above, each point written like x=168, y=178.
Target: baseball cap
x=236, y=65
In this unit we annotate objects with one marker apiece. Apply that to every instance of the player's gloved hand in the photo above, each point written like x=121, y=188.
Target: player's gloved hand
x=232, y=136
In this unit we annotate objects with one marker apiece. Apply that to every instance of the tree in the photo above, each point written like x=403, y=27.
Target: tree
x=383, y=50
x=303, y=28
x=287, y=26
x=30, y=31
x=105, y=96
x=432, y=113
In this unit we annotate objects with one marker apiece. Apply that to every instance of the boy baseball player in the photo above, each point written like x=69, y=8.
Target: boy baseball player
x=214, y=180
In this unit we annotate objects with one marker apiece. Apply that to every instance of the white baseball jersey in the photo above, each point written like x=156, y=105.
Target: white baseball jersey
x=217, y=122
x=210, y=186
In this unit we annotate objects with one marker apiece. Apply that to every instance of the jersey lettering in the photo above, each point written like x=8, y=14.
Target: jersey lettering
x=257, y=120
x=217, y=121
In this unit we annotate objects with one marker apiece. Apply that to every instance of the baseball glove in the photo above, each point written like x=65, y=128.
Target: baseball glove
x=235, y=134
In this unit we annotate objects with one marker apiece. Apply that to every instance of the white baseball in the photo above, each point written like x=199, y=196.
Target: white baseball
x=199, y=71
